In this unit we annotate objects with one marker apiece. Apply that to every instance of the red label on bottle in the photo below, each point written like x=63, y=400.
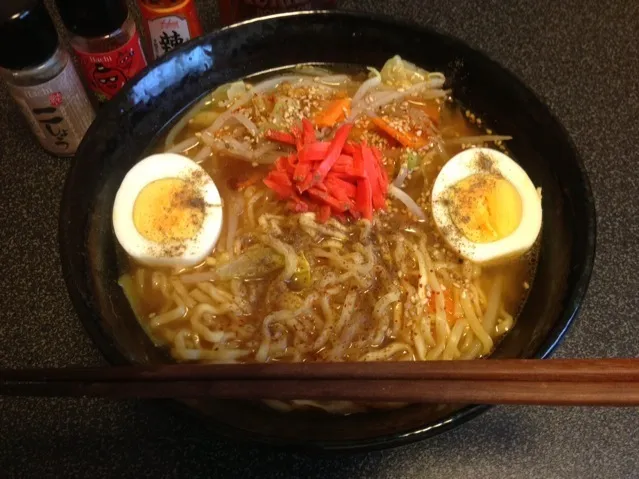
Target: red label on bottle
x=169, y=25
x=108, y=72
x=55, y=99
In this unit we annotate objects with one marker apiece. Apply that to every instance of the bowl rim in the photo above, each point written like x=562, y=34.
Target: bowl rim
x=554, y=337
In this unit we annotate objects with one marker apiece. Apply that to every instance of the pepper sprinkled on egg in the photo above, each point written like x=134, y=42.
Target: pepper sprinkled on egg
x=167, y=212
x=486, y=207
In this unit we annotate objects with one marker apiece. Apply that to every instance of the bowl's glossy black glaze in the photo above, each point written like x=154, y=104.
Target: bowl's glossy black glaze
x=126, y=128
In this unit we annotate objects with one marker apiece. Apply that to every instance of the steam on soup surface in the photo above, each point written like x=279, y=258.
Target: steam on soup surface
x=328, y=249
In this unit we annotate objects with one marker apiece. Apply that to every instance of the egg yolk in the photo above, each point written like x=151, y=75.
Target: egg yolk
x=485, y=207
x=167, y=210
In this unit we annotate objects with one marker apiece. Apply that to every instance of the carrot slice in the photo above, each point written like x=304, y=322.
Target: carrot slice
x=349, y=148
x=287, y=164
x=314, y=151
x=343, y=160
x=358, y=162
x=306, y=183
x=334, y=112
x=330, y=200
x=449, y=303
x=280, y=183
x=335, y=183
x=324, y=214
x=347, y=174
x=280, y=177
x=308, y=132
x=339, y=194
x=407, y=139
x=322, y=187
x=342, y=169
x=333, y=152
x=297, y=134
x=302, y=169
x=280, y=136
x=281, y=163
x=378, y=200
x=293, y=159
x=364, y=200
x=372, y=173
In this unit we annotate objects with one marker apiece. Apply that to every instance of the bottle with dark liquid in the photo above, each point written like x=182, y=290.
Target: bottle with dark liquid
x=41, y=76
x=232, y=11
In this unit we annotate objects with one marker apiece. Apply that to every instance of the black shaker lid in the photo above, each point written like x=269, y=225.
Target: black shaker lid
x=92, y=18
x=28, y=37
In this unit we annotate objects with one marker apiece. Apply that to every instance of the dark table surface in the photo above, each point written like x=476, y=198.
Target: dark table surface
x=582, y=57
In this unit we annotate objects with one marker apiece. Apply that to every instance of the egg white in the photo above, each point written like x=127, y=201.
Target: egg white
x=193, y=250
x=462, y=166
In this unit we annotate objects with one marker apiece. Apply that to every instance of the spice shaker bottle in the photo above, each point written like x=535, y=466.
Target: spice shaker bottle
x=169, y=23
x=232, y=11
x=41, y=77
x=106, y=41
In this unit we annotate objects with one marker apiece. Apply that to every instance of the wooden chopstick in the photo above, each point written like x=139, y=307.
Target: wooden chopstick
x=387, y=390
x=622, y=369
x=559, y=382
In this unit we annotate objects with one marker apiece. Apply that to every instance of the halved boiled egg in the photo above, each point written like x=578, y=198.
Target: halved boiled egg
x=486, y=207
x=167, y=212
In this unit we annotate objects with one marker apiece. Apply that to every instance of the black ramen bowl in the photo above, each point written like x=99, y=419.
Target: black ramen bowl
x=128, y=126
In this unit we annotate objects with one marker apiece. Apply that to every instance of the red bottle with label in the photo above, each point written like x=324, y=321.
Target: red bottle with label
x=169, y=23
x=105, y=40
x=232, y=11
